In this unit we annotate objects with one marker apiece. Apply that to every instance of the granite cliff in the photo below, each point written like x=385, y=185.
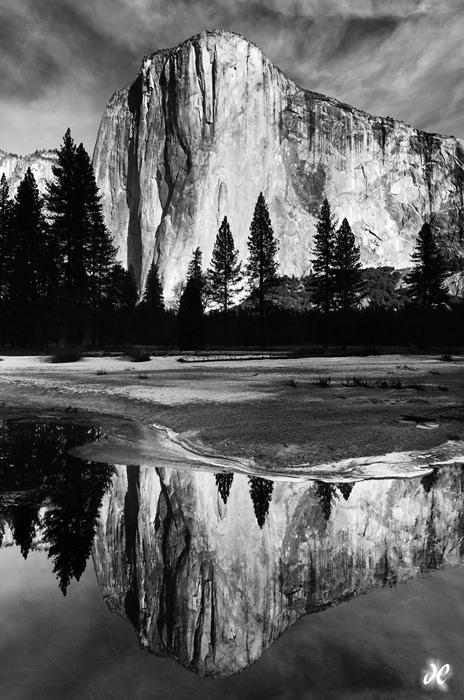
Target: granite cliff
x=209, y=124
x=211, y=571
x=14, y=167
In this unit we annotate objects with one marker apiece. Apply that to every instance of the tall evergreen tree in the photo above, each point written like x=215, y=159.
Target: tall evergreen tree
x=195, y=272
x=85, y=244
x=153, y=295
x=323, y=265
x=426, y=280
x=224, y=275
x=5, y=246
x=347, y=272
x=190, y=318
x=98, y=250
x=29, y=263
x=151, y=313
x=262, y=264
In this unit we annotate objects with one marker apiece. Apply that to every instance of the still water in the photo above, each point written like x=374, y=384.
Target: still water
x=101, y=565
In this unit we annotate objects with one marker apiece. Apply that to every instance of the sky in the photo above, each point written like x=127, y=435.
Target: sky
x=61, y=60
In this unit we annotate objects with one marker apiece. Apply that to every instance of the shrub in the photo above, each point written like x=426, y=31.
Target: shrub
x=322, y=381
x=67, y=354
x=446, y=357
x=355, y=381
x=101, y=372
x=138, y=354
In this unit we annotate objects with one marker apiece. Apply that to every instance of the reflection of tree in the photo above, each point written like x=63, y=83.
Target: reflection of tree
x=224, y=483
x=24, y=519
x=35, y=470
x=261, y=495
x=429, y=480
x=327, y=494
x=345, y=488
x=69, y=525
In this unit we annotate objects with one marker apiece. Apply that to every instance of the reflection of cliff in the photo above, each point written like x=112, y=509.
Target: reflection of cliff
x=48, y=495
x=207, y=584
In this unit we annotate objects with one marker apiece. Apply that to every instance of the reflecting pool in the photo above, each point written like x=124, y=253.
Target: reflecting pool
x=205, y=572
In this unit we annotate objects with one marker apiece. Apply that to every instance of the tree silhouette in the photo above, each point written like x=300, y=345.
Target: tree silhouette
x=347, y=272
x=5, y=251
x=36, y=471
x=262, y=264
x=29, y=262
x=224, y=484
x=323, y=265
x=261, y=495
x=224, y=275
x=190, y=318
x=426, y=280
x=195, y=272
x=86, y=249
x=152, y=310
x=327, y=494
x=345, y=488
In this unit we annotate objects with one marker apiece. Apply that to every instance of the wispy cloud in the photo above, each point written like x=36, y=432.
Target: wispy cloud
x=62, y=60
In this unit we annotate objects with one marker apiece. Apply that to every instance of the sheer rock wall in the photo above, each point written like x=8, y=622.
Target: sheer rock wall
x=209, y=124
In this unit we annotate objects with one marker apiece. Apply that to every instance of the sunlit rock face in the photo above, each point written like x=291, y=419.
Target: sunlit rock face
x=209, y=124
x=14, y=167
x=213, y=584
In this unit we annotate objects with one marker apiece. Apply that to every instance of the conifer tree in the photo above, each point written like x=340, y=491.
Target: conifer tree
x=224, y=275
x=151, y=313
x=347, y=272
x=190, y=317
x=426, y=280
x=29, y=262
x=86, y=249
x=323, y=265
x=5, y=246
x=262, y=264
x=153, y=295
x=195, y=272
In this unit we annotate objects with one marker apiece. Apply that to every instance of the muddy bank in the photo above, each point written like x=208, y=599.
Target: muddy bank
x=270, y=414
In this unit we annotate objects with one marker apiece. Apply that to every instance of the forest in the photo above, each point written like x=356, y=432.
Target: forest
x=61, y=284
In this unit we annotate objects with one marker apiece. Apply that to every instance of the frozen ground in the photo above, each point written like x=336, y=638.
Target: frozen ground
x=270, y=416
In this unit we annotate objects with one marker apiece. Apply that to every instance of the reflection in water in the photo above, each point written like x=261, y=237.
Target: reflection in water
x=327, y=494
x=43, y=487
x=208, y=574
x=224, y=483
x=261, y=495
x=212, y=581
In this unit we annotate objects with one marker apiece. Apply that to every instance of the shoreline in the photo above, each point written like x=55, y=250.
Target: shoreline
x=269, y=414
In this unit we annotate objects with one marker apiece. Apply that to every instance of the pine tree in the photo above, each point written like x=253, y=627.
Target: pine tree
x=5, y=246
x=97, y=247
x=262, y=264
x=190, y=317
x=323, y=265
x=28, y=263
x=224, y=275
x=151, y=313
x=195, y=272
x=347, y=272
x=426, y=280
x=86, y=249
x=153, y=295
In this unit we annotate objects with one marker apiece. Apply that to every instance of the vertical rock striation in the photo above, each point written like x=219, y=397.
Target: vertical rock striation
x=203, y=583
x=209, y=124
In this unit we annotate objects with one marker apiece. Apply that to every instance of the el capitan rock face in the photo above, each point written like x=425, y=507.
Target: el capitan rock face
x=209, y=124
x=14, y=167
x=204, y=583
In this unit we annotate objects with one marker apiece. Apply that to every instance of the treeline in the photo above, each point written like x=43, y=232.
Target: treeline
x=60, y=282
